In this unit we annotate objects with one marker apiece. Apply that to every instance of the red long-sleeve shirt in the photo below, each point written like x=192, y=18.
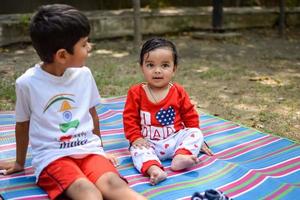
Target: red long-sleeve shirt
x=142, y=118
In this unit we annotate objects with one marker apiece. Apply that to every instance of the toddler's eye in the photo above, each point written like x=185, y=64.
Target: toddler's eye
x=149, y=65
x=165, y=65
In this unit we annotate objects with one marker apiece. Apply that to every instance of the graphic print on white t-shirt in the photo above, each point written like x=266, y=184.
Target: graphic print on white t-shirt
x=63, y=103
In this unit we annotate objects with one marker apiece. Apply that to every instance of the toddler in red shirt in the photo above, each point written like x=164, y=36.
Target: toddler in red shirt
x=160, y=121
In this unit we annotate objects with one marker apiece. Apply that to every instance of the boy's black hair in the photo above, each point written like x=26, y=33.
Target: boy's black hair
x=55, y=27
x=155, y=43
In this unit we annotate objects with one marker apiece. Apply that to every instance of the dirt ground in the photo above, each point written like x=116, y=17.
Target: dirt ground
x=253, y=80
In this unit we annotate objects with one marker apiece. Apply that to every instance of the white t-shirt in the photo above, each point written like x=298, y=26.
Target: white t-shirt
x=58, y=110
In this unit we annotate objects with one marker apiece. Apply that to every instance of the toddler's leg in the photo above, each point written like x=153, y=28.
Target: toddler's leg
x=156, y=174
x=146, y=161
x=188, y=148
x=181, y=161
x=113, y=187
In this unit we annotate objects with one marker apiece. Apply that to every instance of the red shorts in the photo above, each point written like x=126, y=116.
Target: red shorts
x=61, y=173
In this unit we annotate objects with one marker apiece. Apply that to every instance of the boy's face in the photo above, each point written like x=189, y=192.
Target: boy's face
x=80, y=53
x=158, y=67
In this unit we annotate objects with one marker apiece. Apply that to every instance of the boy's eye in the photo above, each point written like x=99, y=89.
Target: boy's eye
x=87, y=45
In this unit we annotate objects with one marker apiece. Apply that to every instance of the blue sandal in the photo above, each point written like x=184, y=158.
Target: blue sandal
x=210, y=194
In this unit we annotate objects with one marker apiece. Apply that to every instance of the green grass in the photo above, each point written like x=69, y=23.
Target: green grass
x=7, y=93
x=214, y=75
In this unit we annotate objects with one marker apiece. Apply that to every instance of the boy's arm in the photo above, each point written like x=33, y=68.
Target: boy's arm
x=22, y=139
x=95, y=117
x=96, y=131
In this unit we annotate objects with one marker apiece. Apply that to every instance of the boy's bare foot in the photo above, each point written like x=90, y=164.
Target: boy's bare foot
x=156, y=174
x=180, y=162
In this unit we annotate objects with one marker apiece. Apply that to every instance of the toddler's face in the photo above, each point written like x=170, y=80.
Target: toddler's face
x=158, y=67
x=81, y=50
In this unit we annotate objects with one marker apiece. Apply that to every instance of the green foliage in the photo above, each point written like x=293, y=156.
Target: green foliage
x=251, y=3
x=24, y=23
x=7, y=93
x=159, y=4
x=292, y=3
x=25, y=19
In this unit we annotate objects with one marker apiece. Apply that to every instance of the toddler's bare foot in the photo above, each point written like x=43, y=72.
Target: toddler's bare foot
x=156, y=174
x=180, y=162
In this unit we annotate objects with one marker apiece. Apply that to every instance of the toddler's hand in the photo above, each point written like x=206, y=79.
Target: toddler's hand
x=205, y=149
x=113, y=159
x=9, y=168
x=140, y=143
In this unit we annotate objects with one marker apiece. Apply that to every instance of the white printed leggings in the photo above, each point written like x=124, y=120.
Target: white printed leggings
x=189, y=140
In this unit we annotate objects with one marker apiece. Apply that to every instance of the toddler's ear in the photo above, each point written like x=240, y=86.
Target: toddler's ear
x=175, y=68
x=61, y=56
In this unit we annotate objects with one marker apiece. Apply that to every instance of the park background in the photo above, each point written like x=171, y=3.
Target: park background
x=246, y=69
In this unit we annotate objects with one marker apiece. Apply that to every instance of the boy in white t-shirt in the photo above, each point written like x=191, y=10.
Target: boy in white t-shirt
x=55, y=111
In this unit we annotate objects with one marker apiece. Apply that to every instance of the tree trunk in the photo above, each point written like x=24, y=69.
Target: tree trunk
x=281, y=23
x=217, y=16
x=137, y=24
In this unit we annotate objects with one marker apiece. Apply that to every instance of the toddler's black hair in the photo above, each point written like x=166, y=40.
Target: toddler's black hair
x=57, y=26
x=156, y=43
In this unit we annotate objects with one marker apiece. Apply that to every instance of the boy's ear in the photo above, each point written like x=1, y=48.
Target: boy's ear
x=61, y=56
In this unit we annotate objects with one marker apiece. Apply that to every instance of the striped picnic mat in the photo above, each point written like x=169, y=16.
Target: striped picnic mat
x=247, y=164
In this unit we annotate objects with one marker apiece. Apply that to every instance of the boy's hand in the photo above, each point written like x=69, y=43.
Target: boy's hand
x=140, y=143
x=113, y=159
x=9, y=168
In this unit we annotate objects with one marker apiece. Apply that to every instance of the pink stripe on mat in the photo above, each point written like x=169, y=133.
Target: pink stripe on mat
x=255, y=183
x=221, y=130
x=6, y=147
x=112, y=131
x=6, y=128
x=278, y=192
x=260, y=177
x=109, y=114
x=253, y=144
x=215, y=125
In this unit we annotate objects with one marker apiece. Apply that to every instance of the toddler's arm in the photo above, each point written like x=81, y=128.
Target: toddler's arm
x=140, y=143
x=131, y=116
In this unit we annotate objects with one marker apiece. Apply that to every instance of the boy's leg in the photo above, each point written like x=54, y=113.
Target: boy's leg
x=189, y=143
x=83, y=188
x=63, y=176
x=104, y=175
x=112, y=186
